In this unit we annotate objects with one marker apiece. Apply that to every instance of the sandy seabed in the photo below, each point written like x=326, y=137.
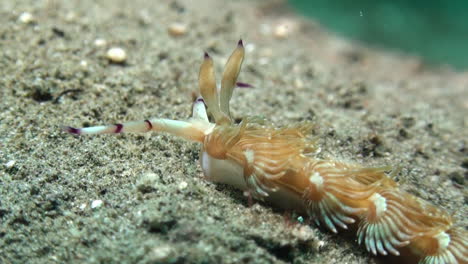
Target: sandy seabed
x=142, y=198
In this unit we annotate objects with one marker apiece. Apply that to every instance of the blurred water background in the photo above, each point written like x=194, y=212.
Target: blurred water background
x=435, y=30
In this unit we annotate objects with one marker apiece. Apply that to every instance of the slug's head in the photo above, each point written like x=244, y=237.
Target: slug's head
x=198, y=127
x=213, y=161
x=216, y=100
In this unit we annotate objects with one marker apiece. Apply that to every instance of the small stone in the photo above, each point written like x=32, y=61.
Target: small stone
x=183, y=185
x=303, y=232
x=281, y=31
x=96, y=204
x=177, y=29
x=10, y=164
x=298, y=83
x=100, y=42
x=161, y=253
x=147, y=182
x=434, y=178
x=210, y=220
x=265, y=29
x=408, y=121
x=26, y=18
x=70, y=16
x=249, y=47
x=319, y=244
x=117, y=55
x=263, y=61
x=100, y=87
x=83, y=206
x=285, y=28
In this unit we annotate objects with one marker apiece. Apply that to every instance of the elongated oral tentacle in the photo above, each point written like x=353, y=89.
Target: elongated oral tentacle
x=194, y=130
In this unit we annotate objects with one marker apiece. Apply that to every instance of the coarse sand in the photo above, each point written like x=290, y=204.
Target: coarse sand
x=142, y=198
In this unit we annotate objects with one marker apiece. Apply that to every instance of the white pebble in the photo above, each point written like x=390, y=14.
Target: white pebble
x=100, y=42
x=10, y=164
x=83, y=63
x=320, y=244
x=285, y=28
x=263, y=61
x=26, y=18
x=177, y=29
x=70, y=16
x=183, y=185
x=96, y=203
x=83, y=206
x=161, y=253
x=265, y=29
x=100, y=87
x=249, y=47
x=117, y=55
x=303, y=232
x=281, y=31
x=298, y=83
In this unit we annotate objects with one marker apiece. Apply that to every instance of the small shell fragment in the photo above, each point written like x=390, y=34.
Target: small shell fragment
x=303, y=232
x=161, y=253
x=26, y=18
x=70, y=16
x=183, y=185
x=177, y=29
x=250, y=47
x=281, y=31
x=319, y=244
x=10, y=164
x=99, y=42
x=285, y=28
x=116, y=55
x=96, y=204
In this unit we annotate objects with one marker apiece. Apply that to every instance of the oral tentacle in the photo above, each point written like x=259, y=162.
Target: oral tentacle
x=194, y=130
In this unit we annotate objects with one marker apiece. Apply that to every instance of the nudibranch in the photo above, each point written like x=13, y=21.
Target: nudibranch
x=280, y=165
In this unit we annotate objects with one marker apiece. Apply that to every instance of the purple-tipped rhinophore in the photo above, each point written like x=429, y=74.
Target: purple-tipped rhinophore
x=206, y=55
x=118, y=128
x=243, y=85
x=240, y=43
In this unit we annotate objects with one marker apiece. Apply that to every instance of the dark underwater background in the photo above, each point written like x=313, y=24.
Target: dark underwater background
x=437, y=31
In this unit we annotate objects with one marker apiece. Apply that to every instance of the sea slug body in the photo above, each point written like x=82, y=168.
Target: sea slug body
x=280, y=165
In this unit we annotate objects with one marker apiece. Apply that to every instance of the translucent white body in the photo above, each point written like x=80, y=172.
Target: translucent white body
x=231, y=173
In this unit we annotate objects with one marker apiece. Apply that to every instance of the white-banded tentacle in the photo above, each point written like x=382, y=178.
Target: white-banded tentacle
x=194, y=130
